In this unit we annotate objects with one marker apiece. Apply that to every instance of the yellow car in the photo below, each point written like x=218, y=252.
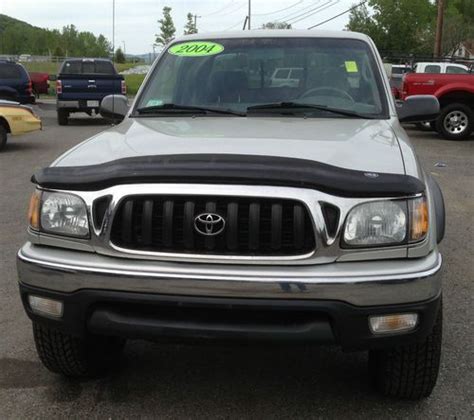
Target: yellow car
x=16, y=119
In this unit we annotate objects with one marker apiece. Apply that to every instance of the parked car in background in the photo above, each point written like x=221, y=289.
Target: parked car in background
x=455, y=93
x=40, y=83
x=82, y=83
x=396, y=75
x=225, y=208
x=15, y=83
x=24, y=58
x=398, y=70
x=442, y=67
x=16, y=119
x=286, y=77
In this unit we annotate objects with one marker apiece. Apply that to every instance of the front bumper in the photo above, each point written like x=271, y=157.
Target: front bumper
x=146, y=299
x=366, y=283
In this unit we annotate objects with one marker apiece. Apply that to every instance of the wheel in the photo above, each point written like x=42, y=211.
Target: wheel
x=3, y=137
x=62, y=117
x=408, y=371
x=455, y=122
x=426, y=126
x=73, y=356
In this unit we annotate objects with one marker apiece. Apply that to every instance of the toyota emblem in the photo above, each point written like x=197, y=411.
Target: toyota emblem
x=209, y=224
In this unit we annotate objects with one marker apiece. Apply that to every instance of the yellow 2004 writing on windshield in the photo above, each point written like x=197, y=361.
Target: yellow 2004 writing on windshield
x=196, y=49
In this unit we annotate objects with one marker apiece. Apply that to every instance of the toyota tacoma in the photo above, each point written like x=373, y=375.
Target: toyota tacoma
x=225, y=207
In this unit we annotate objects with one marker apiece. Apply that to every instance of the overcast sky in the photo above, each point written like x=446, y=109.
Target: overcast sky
x=136, y=20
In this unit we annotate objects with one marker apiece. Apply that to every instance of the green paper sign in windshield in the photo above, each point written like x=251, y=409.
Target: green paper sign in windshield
x=196, y=49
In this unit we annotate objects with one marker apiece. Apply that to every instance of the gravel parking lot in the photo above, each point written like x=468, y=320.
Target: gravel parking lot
x=172, y=381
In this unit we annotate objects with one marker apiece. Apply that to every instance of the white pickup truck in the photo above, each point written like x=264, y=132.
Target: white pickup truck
x=224, y=207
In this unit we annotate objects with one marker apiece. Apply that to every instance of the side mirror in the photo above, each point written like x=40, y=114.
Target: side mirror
x=418, y=108
x=114, y=107
x=52, y=77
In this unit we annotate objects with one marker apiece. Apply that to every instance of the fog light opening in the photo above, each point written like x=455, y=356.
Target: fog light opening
x=394, y=323
x=46, y=307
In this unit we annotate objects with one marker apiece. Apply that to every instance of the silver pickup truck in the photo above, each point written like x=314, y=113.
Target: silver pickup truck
x=224, y=207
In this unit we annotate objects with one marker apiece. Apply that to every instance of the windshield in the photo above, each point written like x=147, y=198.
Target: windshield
x=235, y=74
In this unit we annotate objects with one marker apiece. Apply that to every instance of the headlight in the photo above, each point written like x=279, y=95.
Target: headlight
x=387, y=222
x=63, y=214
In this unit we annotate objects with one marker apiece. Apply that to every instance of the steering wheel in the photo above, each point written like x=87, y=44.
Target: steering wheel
x=339, y=92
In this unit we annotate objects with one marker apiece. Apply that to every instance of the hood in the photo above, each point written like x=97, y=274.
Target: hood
x=363, y=145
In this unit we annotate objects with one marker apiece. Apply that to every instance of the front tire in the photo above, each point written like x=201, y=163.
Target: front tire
x=408, y=371
x=63, y=117
x=3, y=137
x=75, y=356
x=455, y=122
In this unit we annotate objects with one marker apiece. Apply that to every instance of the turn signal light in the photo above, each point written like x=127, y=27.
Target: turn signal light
x=393, y=323
x=34, y=210
x=419, y=219
x=46, y=307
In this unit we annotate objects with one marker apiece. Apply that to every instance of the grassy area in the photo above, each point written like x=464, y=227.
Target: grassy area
x=52, y=68
x=134, y=82
x=47, y=67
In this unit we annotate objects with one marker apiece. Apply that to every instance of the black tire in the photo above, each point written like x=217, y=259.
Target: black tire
x=409, y=371
x=426, y=126
x=3, y=137
x=459, y=130
x=62, y=117
x=74, y=356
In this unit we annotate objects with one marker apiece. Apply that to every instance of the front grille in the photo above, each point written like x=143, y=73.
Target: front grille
x=253, y=226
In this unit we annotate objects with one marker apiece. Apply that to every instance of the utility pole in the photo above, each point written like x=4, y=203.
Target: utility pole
x=195, y=21
x=439, y=29
x=250, y=14
x=113, y=28
x=124, y=50
x=245, y=22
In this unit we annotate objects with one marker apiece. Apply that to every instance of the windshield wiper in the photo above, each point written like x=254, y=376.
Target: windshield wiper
x=297, y=105
x=169, y=107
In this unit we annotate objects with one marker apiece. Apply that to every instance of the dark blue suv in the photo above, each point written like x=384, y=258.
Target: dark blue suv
x=15, y=83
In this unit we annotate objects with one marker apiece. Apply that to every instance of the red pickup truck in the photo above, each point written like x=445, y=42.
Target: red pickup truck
x=40, y=83
x=455, y=93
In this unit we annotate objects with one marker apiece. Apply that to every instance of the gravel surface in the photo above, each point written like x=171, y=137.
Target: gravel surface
x=247, y=381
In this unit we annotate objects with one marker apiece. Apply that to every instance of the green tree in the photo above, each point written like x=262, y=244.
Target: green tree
x=458, y=24
x=190, y=27
x=119, y=55
x=276, y=25
x=167, y=28
x=17, y=37
x=58, y=51
x=397, y=25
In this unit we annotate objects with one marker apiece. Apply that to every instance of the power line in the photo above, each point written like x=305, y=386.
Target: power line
x=222, y=14
x=234, y=26
x=340, y=14
x=307, y=13
x=323, y=7
x=279, y=11
x=297, y=12
x=220, y=10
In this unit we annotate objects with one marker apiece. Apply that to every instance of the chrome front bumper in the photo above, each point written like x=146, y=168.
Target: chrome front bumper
x=366, y=283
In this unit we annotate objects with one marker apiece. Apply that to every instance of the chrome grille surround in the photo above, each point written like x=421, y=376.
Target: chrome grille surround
x=327, y=248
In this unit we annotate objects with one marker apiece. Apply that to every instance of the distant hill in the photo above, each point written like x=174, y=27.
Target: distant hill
x=18, y=37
